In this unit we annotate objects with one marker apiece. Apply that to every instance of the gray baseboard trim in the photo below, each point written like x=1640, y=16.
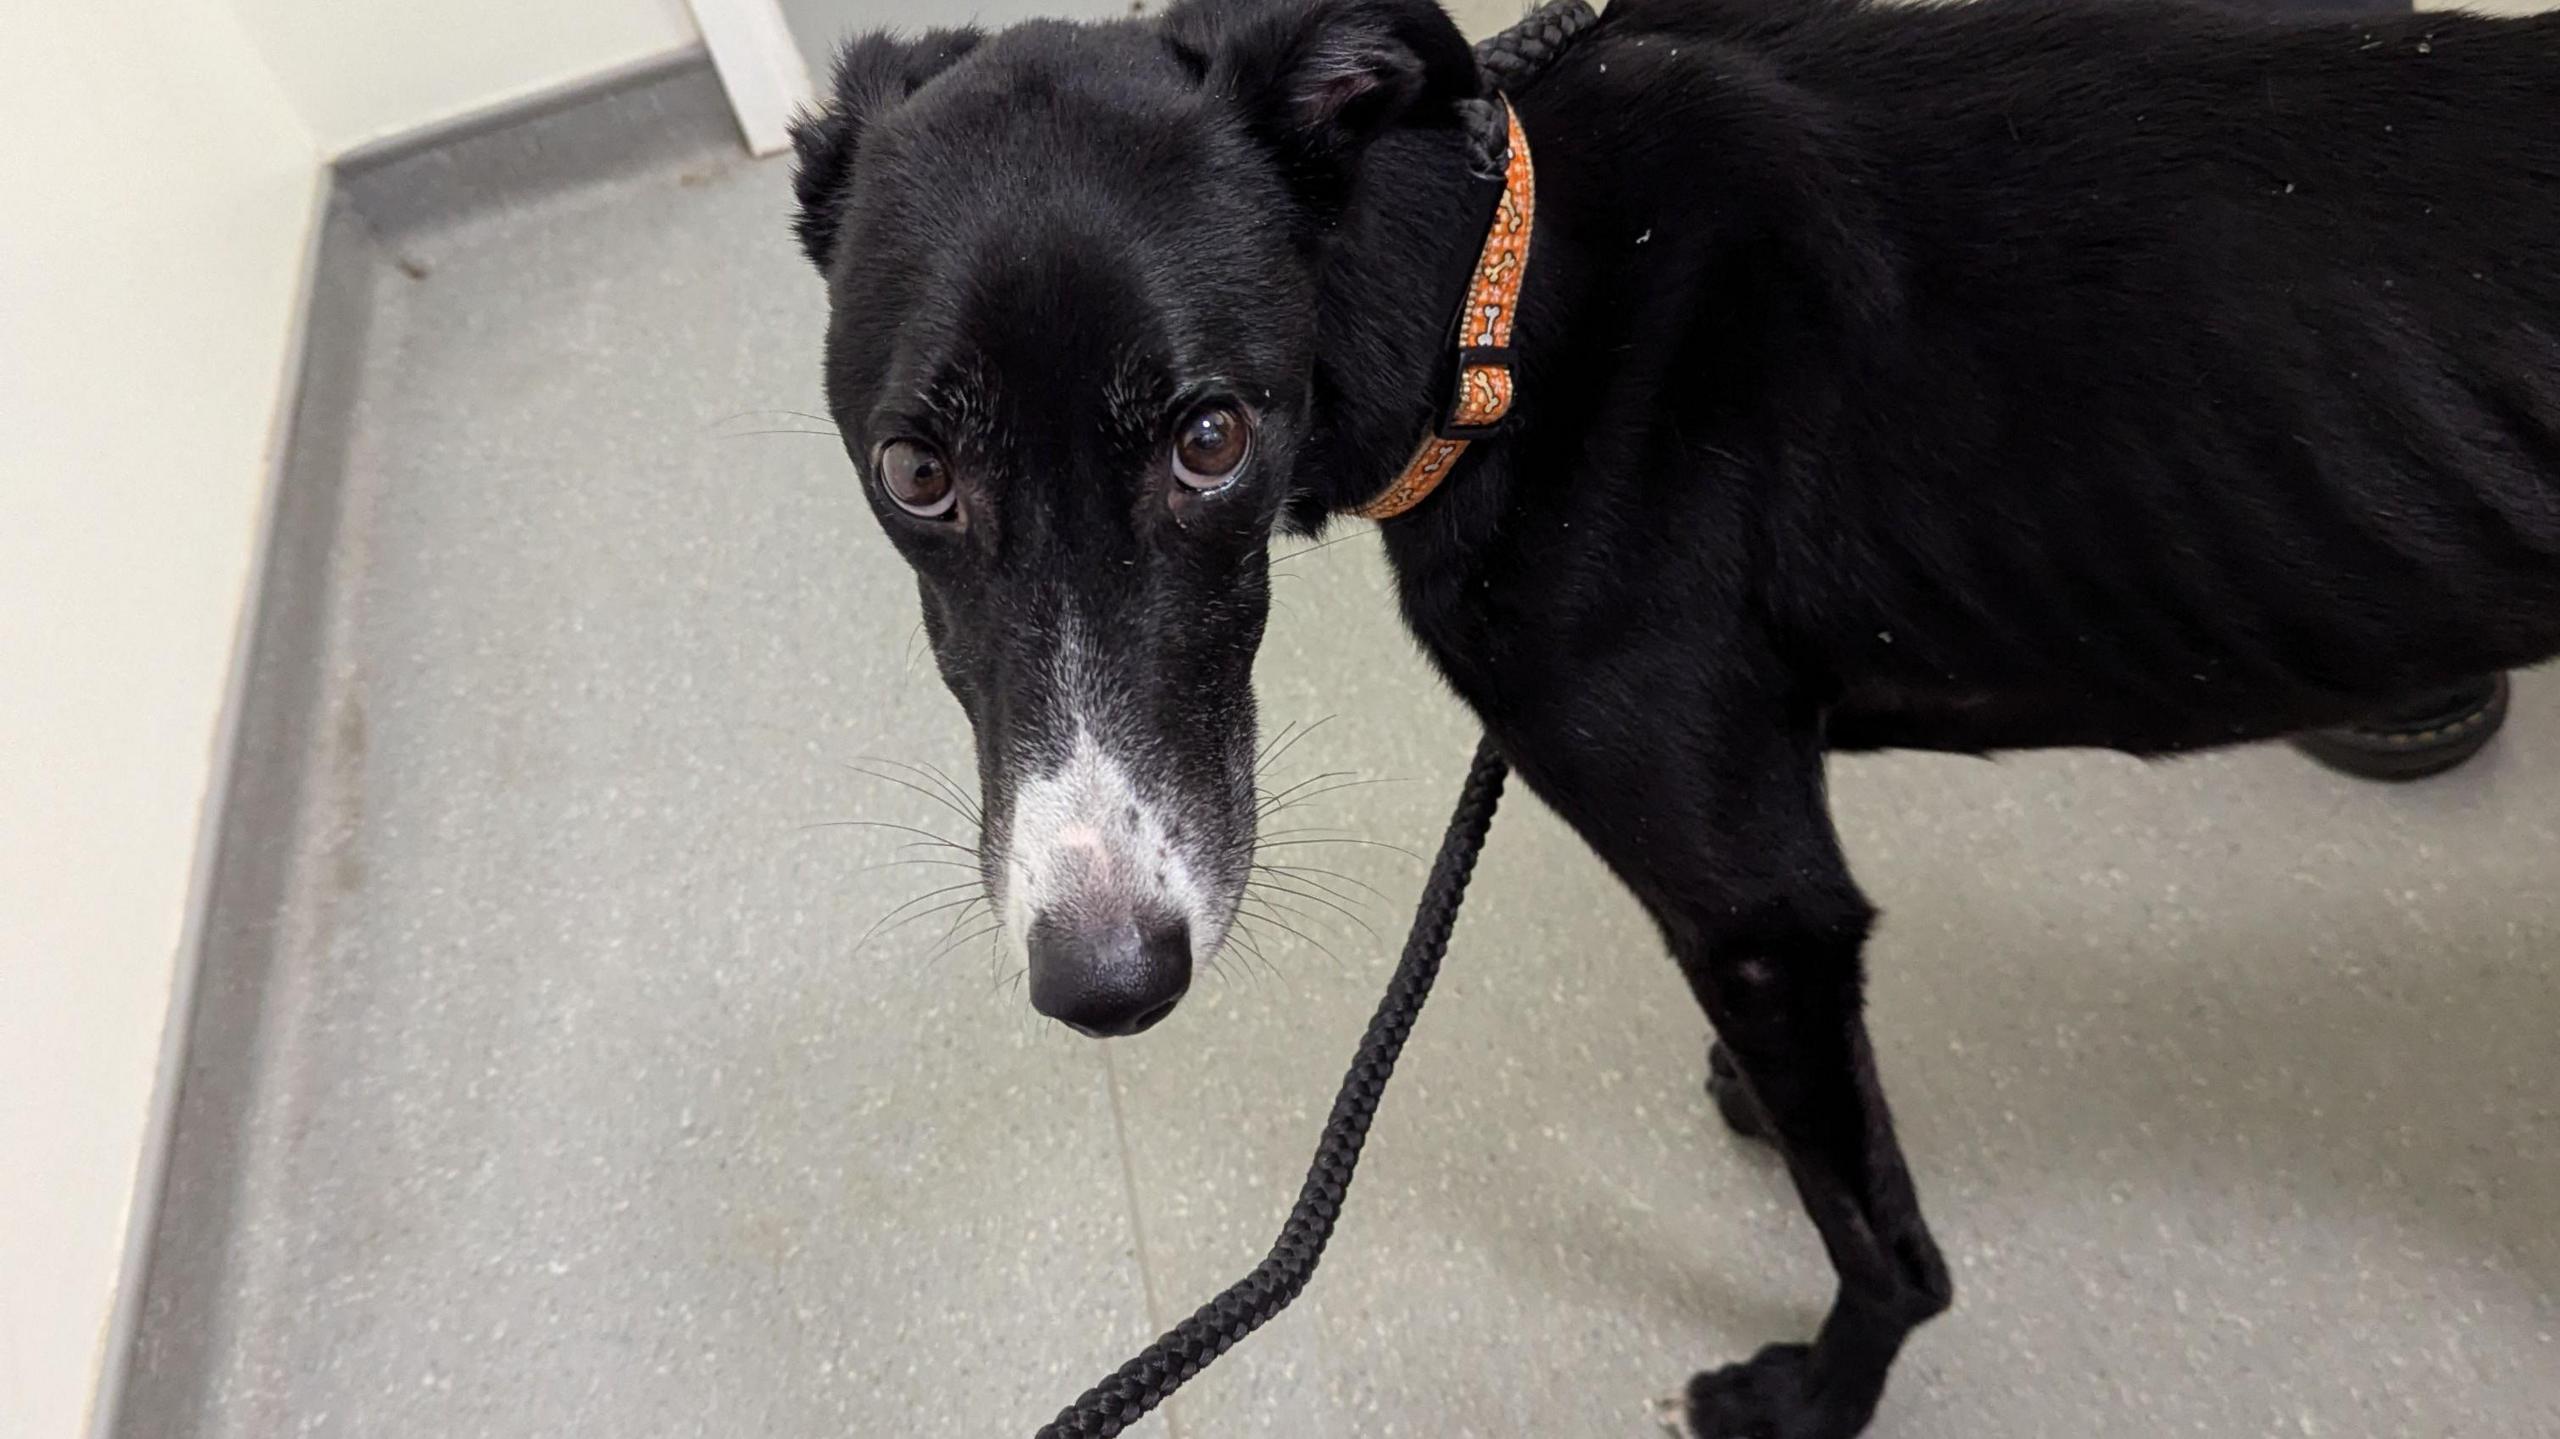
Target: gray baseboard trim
x=668, y=109
x=223, y=795
x=278, y=742
x=374, y=154
x=158, y=1370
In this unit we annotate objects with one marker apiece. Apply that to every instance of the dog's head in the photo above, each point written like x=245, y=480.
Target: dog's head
x=1071, y=271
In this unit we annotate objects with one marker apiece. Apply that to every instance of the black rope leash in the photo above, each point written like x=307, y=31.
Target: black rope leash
x=1517, y=55
x=1143, y=1382
x=1511, y=60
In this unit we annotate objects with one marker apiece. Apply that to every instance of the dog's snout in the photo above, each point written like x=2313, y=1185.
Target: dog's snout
x=1111, y=979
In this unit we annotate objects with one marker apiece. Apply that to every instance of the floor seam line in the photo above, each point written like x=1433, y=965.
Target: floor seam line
x=1137, y=1218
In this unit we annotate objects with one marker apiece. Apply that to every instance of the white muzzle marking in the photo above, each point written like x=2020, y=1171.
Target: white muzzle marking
x=1088, y=848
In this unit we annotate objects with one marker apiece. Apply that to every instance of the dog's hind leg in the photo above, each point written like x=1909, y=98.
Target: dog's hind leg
x=1769, y=936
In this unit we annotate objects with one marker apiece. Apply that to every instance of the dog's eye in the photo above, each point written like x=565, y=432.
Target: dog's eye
x=1211, y=446
x=917, y=476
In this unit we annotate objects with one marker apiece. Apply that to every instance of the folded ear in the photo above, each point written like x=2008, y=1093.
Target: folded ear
x=1319, y=78
x=874, y=75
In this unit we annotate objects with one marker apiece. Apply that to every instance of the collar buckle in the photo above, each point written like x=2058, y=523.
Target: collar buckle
x=1480, y=388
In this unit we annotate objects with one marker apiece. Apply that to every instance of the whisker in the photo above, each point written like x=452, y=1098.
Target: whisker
x=1272, y=906
x=1366, y=843
x=1288, y=743
x=907, y=905
x=1270, y=899
x=923, y=773
x=962, y=903
x=957, y=920
x=1269, y=888
x=1310, y=869
x=1273, y=797
x=928, y=837
x=1273, y=919
x=1262, y=756
x=907, y=784
x=1312, y=796
x=949, y=945
x=1324, y=894
x=968, y=815
x=1292, y=884
x=945, y=942
x=1303, y=551
x=957, y=797
x=947, y=782
x=895, y=863
x=1264, y=960
x=752, y=414
x=1247, y=942
x=944, y=889
x=745, y=434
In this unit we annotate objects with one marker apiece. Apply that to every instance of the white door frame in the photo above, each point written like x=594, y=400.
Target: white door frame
x=759, y=66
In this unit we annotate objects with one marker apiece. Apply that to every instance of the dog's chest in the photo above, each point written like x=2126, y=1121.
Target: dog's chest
x=1565, y=649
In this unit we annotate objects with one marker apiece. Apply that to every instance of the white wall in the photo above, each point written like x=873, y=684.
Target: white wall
x=160, y=192
x=361, y=70
x=1484, y=17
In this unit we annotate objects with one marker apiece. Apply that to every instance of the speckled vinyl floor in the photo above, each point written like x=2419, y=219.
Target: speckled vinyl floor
x=543, y=1085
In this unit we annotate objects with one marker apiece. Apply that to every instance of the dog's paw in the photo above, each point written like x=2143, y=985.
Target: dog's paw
x=1734, y=1099
x=1771, y=1397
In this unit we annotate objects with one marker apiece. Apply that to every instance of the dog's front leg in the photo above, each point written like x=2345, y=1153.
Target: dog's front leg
x=1768, y=929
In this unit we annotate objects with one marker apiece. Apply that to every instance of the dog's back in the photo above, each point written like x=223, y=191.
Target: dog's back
x=2235, y=344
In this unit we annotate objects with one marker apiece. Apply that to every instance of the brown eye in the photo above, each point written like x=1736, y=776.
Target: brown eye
x=917, y=476
x=1211, y=446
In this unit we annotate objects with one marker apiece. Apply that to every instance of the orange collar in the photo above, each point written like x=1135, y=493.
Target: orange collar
x=1484, y=381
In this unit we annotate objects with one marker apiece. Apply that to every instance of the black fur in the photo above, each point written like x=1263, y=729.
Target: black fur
x=1972, y=377
x=872, y=75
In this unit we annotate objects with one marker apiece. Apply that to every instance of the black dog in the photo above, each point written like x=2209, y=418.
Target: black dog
x=2015, y=374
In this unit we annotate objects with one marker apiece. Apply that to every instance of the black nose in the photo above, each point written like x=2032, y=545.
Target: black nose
x=1108, y=980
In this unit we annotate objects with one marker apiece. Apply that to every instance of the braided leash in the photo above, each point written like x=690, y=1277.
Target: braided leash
x=1509, y=60
x=1519, y=54
x=1143, y=1382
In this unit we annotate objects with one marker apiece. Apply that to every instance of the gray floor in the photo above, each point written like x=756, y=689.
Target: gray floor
x=541, y=1086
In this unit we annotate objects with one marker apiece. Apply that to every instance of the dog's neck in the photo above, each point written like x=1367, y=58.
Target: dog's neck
x=1394, y=271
